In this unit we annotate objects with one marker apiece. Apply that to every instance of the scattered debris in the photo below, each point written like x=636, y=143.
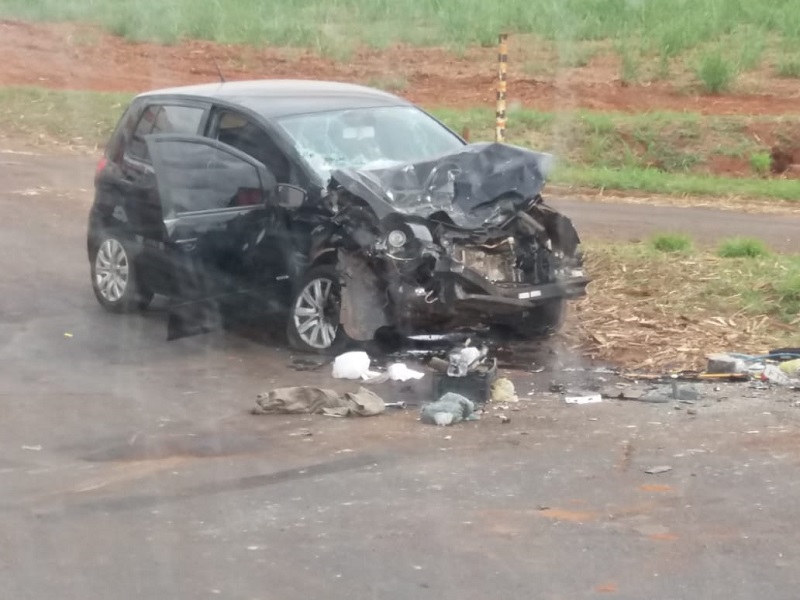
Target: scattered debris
x=557, y=388
x=353, y=365
x=311, y=400
x=791, y=367
x=306, y=364
x=36, y=448
x=503, y=419
x=658, y=470
x=68, y=335
x=691, y=411
x=475, y=386
x=400, y=372
x=401, y=405
x=464, y=360
x=449, y=409
x=774, y=374
x=503, y=391
x=725, y=364
x=588, y=399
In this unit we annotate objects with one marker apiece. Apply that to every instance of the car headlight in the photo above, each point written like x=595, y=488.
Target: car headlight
x=397, y=239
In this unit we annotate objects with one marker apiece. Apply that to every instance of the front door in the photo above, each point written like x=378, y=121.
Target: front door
x=214, y=204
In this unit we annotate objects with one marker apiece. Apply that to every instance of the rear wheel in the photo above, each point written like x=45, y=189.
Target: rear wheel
x=314, y=314
x=114, y=277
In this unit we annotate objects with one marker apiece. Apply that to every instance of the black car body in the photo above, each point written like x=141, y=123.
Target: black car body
x=349, y=208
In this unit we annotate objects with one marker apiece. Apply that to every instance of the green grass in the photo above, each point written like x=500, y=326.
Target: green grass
x=742, y=247
x=761, y=163
x=594, y=150
x=672, y=243
x=789, y=67
x=668, y=27
x=716, y=72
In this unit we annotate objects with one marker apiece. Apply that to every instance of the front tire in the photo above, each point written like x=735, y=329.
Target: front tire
x=114, y=278
x=314, y=313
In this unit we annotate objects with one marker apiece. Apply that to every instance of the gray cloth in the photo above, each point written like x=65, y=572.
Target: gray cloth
x=306, y=400
x=450, y=408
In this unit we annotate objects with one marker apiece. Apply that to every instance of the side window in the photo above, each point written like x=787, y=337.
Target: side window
x=165, y=118
x=238, y=131
x=196, y=176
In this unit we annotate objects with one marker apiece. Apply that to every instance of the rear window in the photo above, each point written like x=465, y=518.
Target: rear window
x=163, y=118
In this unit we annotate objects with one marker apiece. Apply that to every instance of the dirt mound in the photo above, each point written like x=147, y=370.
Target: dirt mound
x=75, y=56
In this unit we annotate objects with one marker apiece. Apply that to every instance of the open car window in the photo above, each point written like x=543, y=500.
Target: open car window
x=197, y=174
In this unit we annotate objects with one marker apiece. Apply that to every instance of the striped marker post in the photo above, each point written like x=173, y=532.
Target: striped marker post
x=502, y=72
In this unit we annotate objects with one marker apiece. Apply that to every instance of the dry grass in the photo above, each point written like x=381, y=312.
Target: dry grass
x=657, y=312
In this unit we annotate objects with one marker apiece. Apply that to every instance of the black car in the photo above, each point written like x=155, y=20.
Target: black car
x=346, y=208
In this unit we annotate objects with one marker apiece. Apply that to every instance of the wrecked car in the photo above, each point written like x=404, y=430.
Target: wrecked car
x=342, y=208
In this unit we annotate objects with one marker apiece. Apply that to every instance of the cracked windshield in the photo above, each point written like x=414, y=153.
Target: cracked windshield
x=363, y=299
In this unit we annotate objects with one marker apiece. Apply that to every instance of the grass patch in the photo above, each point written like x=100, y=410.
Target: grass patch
x=598, y=150
x=716, y=72
x=742, y=247
x=761, y=162
x=81, y=118
x=669, y=27
x=658, y=182
x=671, y=243
x=660, y=312
x=789, y=67
x=389, y=83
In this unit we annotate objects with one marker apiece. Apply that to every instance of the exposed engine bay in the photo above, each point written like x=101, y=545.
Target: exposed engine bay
x=461, y=240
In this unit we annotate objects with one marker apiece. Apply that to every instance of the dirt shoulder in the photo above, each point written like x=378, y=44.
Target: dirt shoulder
x=76, y=56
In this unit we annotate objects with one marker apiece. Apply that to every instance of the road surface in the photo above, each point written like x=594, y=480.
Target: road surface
x=131, y=468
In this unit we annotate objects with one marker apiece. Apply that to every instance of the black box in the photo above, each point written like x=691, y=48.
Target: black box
x=475, y=386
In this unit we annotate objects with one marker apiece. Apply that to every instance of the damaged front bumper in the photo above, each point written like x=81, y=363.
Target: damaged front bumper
x=462, y=294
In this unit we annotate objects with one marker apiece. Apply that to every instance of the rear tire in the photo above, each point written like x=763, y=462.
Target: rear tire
x=314, y=313
x=114, y=280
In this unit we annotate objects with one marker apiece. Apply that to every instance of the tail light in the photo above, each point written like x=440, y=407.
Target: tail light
x=101, y=165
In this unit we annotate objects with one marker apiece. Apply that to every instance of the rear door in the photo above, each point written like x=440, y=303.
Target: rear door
x=213, y=198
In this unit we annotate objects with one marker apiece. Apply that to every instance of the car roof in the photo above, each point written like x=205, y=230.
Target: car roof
x=273, y=98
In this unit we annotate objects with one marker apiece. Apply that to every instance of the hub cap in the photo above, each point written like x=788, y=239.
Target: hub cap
x=111, y=270
x=313, y=318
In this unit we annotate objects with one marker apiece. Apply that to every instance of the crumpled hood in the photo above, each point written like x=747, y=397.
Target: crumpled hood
x=470, y=186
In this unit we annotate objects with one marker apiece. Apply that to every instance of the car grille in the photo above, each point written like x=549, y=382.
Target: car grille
x=495, y=266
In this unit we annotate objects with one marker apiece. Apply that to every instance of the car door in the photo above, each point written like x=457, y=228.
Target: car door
x=214, y=201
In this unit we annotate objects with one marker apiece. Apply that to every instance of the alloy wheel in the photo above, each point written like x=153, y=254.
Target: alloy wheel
x=315, y=318
x=111, y=270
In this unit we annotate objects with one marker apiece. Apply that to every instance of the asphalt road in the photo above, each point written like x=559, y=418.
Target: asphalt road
x=130, y=467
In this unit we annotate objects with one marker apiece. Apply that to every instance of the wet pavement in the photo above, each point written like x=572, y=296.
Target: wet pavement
x=131, y=467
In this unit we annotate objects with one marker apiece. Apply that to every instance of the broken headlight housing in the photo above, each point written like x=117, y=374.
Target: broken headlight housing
x=396, y=239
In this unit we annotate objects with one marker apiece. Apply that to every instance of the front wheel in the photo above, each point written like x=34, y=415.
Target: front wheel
x=314, y=314
x=114, y=278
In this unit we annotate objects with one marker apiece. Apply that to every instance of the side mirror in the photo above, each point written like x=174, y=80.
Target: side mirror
x=290, y=196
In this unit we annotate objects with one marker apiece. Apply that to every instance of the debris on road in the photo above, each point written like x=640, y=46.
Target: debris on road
x=503, y=391
x=774, y=374
x=503, y=419
x=723, y=363
x=476, y=385
x=36, y=448
x=464, y=360
x=449, y=409
x=400, y=372
x=587, y=399
x=791, y=367
x=310, y=400
x=658, y=470
x=353, y=365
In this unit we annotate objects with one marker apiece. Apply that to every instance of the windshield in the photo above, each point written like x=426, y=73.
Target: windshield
x=367, y=138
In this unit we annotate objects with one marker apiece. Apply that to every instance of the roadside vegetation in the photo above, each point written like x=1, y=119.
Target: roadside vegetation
x=711, y=42
x=666, y=310
x=667, y=153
